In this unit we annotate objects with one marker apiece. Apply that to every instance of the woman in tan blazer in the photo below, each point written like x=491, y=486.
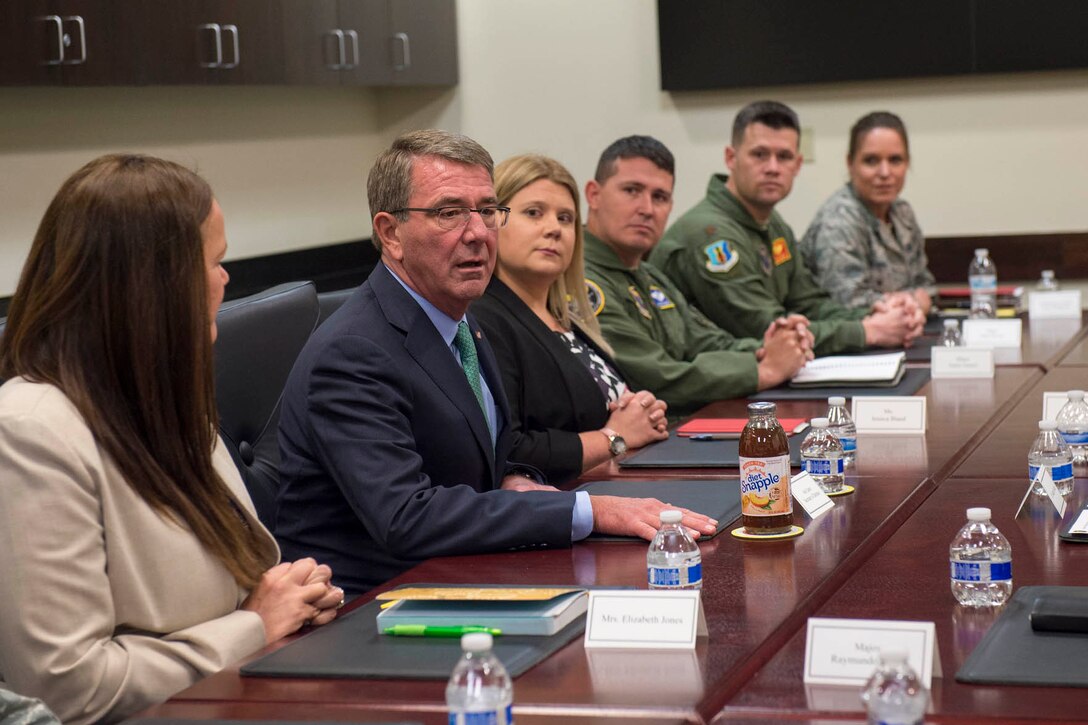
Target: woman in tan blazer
x=131, y=560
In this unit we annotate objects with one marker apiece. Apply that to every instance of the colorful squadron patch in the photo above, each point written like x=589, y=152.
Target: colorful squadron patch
x=720, y=257
x=660, y=299
x=639, y=302
x=780, y=251
x=596, y=297
x=765, y=262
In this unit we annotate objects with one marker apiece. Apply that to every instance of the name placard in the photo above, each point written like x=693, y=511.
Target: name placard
x=1046, y=481
x=809, y=494
x=1080, y=526
x=1053, y=400
x=633, y=619
x=961, y=362
x=992, y=333
x=846, y=651
x=1056, y=305
x=890, y=414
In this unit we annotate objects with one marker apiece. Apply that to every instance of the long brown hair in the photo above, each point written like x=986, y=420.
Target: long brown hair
x=112, y=309
x=567, y=298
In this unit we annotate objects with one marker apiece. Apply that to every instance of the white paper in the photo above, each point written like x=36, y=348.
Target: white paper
x=961, y=362
x=846, y=651
x=1045, y=479
x=635, y=619
x=851, y=368
x=1056, y=305
x=808, y=493
x=992, y=333
x=1052, y=403
x=1080, y=526
x=890, y=414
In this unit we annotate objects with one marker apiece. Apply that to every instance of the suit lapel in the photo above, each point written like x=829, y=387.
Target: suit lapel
x=423, y=343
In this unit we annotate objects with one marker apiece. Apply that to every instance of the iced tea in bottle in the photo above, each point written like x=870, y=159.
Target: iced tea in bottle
x=766, y=505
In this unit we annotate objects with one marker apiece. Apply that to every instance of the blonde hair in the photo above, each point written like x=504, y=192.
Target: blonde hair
x=567, y=299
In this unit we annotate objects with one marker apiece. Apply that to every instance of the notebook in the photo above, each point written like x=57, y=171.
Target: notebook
x=732, y=427
x=881, y=370
x=514, y=611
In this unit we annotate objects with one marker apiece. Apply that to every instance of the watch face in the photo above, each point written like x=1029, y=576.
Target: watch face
x=618, y=445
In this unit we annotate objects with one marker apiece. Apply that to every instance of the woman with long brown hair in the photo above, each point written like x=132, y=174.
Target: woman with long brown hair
x=571, y=408
x=131, y=558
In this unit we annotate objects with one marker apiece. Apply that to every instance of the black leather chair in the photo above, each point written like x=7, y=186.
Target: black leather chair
x=331, y=301
x=259, y=338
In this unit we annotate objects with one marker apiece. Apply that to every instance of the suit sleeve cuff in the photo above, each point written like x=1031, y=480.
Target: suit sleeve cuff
x=582, y=517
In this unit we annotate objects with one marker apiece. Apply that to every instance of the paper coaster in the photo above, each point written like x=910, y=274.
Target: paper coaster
x=846, y=490
x=740, y=533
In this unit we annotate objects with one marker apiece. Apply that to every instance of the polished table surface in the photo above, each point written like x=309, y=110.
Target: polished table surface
x=757, y=596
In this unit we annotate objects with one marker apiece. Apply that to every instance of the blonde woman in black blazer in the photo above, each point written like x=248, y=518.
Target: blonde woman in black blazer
x=571, y=411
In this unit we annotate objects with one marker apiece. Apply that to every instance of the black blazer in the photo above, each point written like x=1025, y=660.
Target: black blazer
x=386, y=458
x=553, y=397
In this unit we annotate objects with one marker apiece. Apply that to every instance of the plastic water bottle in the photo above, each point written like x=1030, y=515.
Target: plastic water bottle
x=1050, y=450
x=673, y=560
x=1047, y=282
x=1072, y=422
x=821, y=456
x=479, y=691
x=841, y=425
x=894, y=695
x=950, y=335
x=982, y=277
x=981, y=562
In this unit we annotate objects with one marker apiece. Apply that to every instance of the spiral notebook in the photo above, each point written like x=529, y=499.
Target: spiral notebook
x=854, y=370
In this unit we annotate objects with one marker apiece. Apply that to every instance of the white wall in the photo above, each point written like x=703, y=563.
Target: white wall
x=998, y=154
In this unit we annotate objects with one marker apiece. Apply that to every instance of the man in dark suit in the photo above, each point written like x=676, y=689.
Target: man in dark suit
x=394, y=432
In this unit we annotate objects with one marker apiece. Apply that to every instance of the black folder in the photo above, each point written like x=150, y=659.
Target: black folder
x=1012, y=653
x=350, y=647
x=679, y=452
x=718, y=498
x=912, y=382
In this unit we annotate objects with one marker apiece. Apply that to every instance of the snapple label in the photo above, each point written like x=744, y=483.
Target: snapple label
x=765, y=490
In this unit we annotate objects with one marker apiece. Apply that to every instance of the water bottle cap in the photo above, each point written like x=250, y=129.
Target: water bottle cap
x=671, y=516
x=1048, y=274
x=951, y=324
x=818, y=422
x=1075, y=395
x=836, y=400
x=982, y=252
x=1048, y=425
x=893, y=655
x=476, y=642
x=980, y=513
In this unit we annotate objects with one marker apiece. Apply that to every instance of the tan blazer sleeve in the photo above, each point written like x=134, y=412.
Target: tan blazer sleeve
x=60, y=638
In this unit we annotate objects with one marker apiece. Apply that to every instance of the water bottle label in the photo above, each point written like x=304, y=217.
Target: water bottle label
x=1057, y=473
x=672, y=576
x=822, y=466
x=982, y=282
x=849, y=445
x=765, y=486
x=981, y=571
x=1075, y=439
x=490, y=717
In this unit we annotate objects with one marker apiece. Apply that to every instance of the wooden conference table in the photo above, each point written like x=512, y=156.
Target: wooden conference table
x=880, y=553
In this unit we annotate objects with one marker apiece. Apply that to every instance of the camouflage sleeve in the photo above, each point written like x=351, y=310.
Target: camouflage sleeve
x=834, y=249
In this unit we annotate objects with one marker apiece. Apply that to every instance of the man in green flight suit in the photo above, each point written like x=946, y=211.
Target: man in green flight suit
x=735, y=257
x=662, y=343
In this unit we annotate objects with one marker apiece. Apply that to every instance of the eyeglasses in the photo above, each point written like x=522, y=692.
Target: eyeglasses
x=454, y=217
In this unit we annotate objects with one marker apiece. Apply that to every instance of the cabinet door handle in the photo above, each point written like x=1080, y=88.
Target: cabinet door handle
x=406, y=52
x=218, y=33
x=354, y=50
x=55, y=19
x=78, y=20
x=339, y=35
x=233, y=30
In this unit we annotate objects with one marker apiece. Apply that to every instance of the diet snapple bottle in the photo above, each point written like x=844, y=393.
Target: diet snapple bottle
x=766, y=505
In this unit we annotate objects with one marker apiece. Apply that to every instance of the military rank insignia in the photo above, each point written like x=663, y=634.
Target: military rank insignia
x=639, y=302
x=596, y=297
x=765, y=262
x=660, y=299
x=780, y=251
x=720, y=257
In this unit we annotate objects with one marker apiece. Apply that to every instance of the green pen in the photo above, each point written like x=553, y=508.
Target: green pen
x=422, y=630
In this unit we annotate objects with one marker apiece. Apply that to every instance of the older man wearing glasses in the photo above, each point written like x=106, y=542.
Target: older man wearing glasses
x=394, y=432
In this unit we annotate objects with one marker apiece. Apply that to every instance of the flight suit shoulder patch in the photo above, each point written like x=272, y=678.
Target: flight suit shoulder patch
x=596, y=296
x=720, y=256
x=780, y=251
x=660, y=299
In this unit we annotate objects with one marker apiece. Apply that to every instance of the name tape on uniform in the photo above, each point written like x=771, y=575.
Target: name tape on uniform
x=846, y=651
x=631, y=619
